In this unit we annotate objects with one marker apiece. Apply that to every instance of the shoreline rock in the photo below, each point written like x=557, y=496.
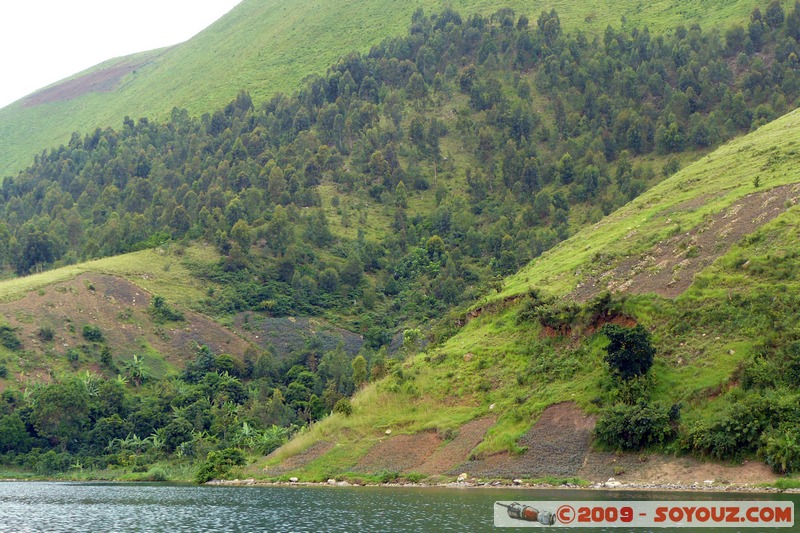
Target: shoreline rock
x=610, y=485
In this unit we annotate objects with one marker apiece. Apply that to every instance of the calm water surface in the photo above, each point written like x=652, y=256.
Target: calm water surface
x=107, y=507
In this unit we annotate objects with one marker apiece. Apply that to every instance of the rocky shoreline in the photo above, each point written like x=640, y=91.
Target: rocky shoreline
x=611, y=484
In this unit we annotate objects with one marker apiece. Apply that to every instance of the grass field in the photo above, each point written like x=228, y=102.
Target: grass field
x=160, y=271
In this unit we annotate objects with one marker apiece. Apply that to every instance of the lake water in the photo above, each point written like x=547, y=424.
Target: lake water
x=107, y=507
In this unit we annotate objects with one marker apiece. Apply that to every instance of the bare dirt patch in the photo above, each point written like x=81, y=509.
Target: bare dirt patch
x=670, y=266
x=557, y=446
x=616, y=319
x=399, y=453
x=456, y=451
x=662, y=470
x=315, y=451
x=284, y=335
x=101, y=80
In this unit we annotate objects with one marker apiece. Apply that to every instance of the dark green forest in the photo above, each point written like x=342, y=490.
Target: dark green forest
x=133, y=421
x=520, y=132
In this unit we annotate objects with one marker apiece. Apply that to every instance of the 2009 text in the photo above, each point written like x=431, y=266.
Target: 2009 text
x=755, y=514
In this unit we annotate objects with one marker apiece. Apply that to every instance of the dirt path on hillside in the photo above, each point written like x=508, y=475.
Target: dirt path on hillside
x=670, y=266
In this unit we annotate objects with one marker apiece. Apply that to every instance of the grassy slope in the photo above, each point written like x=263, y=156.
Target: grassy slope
x=266, y=46
x=154, y=270
x=512, y=367
x=158, y=271
x=721, y=177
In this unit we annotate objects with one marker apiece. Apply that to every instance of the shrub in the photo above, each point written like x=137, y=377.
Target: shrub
x=105, y=357
x=160, y=311
x=50, y=462
x=344, y=407
x=558, y=316
x=92, y=333
x=415, y=477
x=218, y=464
x=781, y=449
x=771, y=368
x=73, y=356
x=634, y=390
x=45, y=334
x=548, y=311
x=157, y=474
x=633, y=427
x=386, y=476
x=740, y=427
x=729, y=434
x=604, y=304
x=9, y=339
x=630, y=352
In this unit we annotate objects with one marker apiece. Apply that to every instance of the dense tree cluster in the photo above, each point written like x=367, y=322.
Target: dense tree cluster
x=217, y=403
x=542, y=128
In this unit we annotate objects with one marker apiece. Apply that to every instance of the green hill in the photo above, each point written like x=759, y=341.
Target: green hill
x=288, y=253
x=266, y=46
x=726, y=343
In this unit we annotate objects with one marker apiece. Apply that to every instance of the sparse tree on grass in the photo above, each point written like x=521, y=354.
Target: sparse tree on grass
x=359, y=365
x=629, y=353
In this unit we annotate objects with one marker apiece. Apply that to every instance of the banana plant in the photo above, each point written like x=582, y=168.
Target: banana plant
x=136, y=370
x=158, y=439
x=91, y=380
x=270, y=439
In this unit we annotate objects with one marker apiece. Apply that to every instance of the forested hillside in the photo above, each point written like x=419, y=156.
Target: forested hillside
x=394, y=190
x=453, y=154
x=266, y=46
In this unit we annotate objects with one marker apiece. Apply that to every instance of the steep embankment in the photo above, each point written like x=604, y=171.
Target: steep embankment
x=708, y=263
x=266, y=46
